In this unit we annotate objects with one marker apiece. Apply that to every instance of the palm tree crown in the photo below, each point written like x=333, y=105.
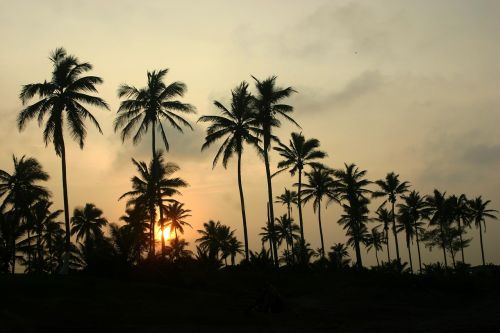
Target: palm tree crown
x=176, y=215
x=87, y=222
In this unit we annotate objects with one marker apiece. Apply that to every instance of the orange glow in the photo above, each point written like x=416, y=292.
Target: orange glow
x=167, y=233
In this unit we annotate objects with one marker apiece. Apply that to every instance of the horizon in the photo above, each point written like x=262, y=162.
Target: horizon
x=381, y=89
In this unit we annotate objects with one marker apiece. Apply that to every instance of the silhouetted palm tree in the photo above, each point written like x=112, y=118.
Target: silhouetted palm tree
x=87, y=222
x=391, y=187
x=235, y=126
x=135, y=219
x=152, y=187
x=406, y=224
x=176, y=215
x=415, y=208
x=149, y=106
x=375, y=241
x=62, y=101
x=217, y=239
x=296, y=156
x=288, y=198
x=268, y=106
x=177, y=249
x=384, y=216
x=440, y=216
x=338, y=256
x=269, y=234
x=462, y=215
x=20, y=190
x=319, y=185
x=42, y=217
x=479, y=213
x=351, y=190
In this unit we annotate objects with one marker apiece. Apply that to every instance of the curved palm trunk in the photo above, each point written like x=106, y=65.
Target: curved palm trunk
x=418, y=251
x=461, y=240
x=481, y=241
x=376, y=256
x=270, y=195
x=387, y=243
x=321, y=230
x=242, y=203
x=395, y=233
x=409, y=252
x=67, y=239
x=443, y=245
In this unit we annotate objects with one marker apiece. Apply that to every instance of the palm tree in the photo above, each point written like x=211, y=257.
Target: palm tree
x=406, y=223
x=20, y=190
x=296, y=156
x=384, y=216
x=269, y=234
x=462, y=215
x=150, y=105
x=479, y=213
x=235, y=126
x=288, y=198
x=177, y=249
x=135, y=219
x=268, y=106
x=351, y=190
x=87, y=222
x=281, y=228
x=233, y=249
x=176, y=215
x=62, y=100
x=42, y=217
x=439, y=216
x=217, y=239
x=391, y=187
x=339, y=256
x=415, y=208
x=375, y=241
x=151, y=187
x=320, y=184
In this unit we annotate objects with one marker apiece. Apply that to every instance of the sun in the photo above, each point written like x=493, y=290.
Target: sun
x=167, y=233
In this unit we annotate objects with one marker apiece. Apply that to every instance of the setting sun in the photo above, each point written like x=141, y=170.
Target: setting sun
x=167, y=233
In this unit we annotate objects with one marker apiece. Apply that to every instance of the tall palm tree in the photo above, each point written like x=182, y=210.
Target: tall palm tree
x=176, y=215
x=479, y=213
x=351, y=190
x=319, y=185
x=375, y=241
x=151, y=187
x=296, y=156
x=439, y=209
x=462, y=215
x=87, y=222
x=391, y=187
x=406, y=224
x=414, y=207
x=235, y=126
x=62, y=101
x=20, y=190
x=149, y=106
x=384, y=216
x=268, y=107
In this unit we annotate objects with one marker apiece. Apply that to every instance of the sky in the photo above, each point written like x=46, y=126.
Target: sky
x=404, y=86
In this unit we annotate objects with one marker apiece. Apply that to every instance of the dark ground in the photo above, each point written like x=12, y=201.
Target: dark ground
x=236, y=301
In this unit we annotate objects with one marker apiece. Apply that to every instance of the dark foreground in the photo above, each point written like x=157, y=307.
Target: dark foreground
x=236, y=301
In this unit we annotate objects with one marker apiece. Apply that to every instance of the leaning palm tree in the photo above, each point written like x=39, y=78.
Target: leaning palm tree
x=151, y=187
x=384, y=216
x=176, y=215
x=319, y=185
x=62, y=101
x=87, y=222
x=391, y=187
x=414, y=207
x=375, y=241
x=479, y=213
x=296, y=156
x=20, y=190
x=149, y=106
x=235, y=127
x=351, y=190
x=268, y=107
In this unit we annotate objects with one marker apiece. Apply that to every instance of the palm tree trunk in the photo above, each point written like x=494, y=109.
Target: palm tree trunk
x=162, y=226
x=67, y=239
x=387, y=244
x=13, y=254
x=376, y=256
x=29, y=251
x=443, y=245
x=481, y=241
x=359, y=262
x=321, y=230
x=270, y=195
x=418, y=251
x=151, y=209
x=461, y=240
x=395, y=233
x=302, y=239
x=242, y=203
x=289, y=211
x=409, y=253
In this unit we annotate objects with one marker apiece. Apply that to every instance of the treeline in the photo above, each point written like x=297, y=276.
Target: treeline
x=31, y=234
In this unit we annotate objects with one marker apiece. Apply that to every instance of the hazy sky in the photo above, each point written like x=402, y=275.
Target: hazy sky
x=404, y=86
